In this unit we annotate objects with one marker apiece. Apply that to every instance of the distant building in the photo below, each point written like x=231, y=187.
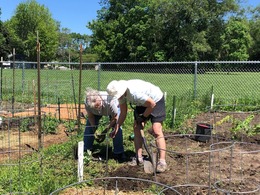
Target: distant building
x=7, y=64
x=62, y=68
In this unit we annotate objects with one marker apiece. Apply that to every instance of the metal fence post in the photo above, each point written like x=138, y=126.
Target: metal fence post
x=23, y=71
x=13, y=82
x=1, y=90
x=195, y=80
x=99, y=72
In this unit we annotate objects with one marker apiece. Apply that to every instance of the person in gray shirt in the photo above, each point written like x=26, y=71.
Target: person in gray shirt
x=149, y=105
x=98, y=104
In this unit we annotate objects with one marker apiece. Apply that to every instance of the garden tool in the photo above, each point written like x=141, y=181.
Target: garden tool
x=148, y=164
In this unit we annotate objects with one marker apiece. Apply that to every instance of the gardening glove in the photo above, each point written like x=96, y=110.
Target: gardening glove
x=140, y=118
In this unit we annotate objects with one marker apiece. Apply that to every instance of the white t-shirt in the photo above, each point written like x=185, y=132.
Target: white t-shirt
x=138, y=91
x=109, y=107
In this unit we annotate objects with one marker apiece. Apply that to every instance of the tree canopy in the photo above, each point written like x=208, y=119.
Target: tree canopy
x=170, y=30
x=32, y=19
x=139, y=30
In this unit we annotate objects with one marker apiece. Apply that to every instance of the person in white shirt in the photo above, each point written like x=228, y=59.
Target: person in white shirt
x=149, y=105
x=98, y=104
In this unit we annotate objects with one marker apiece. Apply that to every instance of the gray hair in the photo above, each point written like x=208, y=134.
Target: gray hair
x=91, y=96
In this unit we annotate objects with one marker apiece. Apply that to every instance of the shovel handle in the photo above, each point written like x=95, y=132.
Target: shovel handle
x=146, y=146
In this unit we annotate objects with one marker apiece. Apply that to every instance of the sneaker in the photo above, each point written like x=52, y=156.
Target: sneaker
x=120, y=157
x=136, y=161
x=161, y=167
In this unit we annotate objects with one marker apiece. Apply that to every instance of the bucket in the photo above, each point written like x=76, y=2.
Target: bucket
x=203, y=132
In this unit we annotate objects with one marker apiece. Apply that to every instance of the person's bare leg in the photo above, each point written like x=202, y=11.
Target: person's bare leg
x=138, y=140
x=160, y=140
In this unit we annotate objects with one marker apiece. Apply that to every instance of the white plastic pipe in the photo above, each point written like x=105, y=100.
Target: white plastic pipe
x=212, y=101
x=80, y=160
x=174, y=115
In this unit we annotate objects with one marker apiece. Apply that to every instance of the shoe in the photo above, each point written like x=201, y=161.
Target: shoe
x=136, y=161
x=120, y=157
x=161, y=167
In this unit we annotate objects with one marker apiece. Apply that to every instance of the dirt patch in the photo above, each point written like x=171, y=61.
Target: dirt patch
x=197, y=168
x=217, y=166
x=15, y=143
x=228, y=162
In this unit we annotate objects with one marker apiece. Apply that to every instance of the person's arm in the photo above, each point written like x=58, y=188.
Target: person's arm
x=149, y=104
x=113, y=121
x=113, y=106
x=121, y=119
x=123, y=113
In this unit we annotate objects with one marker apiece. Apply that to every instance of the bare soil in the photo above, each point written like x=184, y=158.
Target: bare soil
x=217, y=165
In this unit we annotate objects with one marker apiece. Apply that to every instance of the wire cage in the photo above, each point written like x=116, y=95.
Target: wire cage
x=20, y=145
x=117, y=185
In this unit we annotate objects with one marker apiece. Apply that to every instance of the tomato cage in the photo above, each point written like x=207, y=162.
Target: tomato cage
x=20, y=145
x=236, y=171
x=189, y=161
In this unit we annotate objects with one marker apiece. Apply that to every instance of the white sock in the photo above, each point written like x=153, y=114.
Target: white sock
x=140, y=159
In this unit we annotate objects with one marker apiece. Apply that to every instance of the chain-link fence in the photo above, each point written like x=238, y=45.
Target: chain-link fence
x=189, y=87
x=229, y=82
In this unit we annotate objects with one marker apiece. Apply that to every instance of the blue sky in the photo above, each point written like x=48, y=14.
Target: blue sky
x=73, y=14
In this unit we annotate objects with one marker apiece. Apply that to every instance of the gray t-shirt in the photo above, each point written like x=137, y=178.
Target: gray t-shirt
x=138, y=91
x=109, y=107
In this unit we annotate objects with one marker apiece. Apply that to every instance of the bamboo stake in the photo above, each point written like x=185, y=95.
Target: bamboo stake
x=34, y=100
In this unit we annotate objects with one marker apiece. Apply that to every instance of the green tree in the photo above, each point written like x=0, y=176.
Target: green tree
x=30, y=18
x=69, y=44
x=4, y=40
x=165, y=30
x=255, y=33
x=118, y=34
x=65, y=40
x=236, y=40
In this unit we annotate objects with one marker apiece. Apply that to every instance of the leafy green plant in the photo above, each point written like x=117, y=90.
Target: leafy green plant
x=243, y=126
x=25, y=124
x=240, y=126
x=70, y=125
x=50, y=124
x=87, y=157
